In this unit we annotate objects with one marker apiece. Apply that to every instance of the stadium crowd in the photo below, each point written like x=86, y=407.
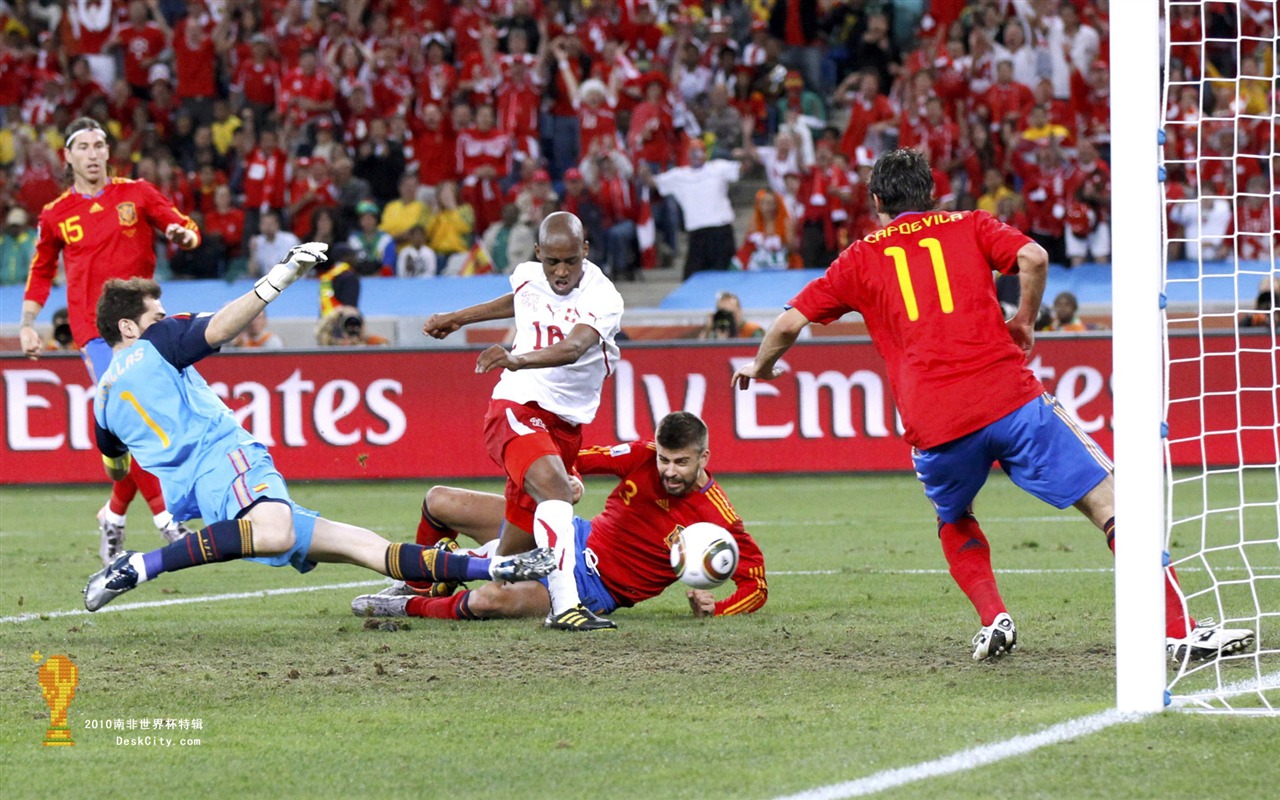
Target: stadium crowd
x=431, y=137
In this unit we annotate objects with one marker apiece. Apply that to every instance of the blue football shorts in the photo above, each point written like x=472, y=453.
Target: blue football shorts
x=1039, y=446
x=591, y=589
x=248, y=476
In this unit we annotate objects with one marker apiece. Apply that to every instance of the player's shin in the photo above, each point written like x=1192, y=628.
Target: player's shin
x=553, y=527
x=1176, y=622
x=457, y=606
x=969, y=557
x=412, y=562
x=221, y=541
x=430, y=529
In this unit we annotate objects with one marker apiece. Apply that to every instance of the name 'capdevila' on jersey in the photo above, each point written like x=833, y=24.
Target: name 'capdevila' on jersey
x=542, y=318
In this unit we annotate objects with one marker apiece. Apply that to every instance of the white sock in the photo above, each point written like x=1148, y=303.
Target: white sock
x=558, y=516
x=163, y=519
x=111, y=516
x=138, y=564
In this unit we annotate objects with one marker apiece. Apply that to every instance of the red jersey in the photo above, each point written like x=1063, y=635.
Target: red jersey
x=923, y=285
x=258, y=82
x=142, y=44
x=194, y=60
x=101, y=237
x=230, y=226
x=632, y=537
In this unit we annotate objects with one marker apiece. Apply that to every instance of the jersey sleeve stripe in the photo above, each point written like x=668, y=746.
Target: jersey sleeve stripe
x=721, y=502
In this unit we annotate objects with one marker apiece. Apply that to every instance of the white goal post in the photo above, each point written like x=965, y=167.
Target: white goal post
x=1196, y=392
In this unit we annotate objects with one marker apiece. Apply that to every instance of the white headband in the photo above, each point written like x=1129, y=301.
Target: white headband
x=73, y=136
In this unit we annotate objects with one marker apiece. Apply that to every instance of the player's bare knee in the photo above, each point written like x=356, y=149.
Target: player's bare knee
x=272, y=528
x=440, y=502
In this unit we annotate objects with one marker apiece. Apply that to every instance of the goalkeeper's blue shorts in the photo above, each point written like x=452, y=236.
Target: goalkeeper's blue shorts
x=248, y=476
x=1040, y=447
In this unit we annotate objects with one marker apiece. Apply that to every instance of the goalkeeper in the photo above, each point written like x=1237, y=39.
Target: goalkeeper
x=152, y=405
x=958, y=371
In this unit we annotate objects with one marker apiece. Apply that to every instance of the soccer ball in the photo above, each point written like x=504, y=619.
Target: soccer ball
x=704, y=555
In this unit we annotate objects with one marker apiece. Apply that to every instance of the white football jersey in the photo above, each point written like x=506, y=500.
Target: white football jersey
x=571, y=392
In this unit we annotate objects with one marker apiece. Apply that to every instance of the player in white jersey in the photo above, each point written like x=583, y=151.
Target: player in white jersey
x=567, y=315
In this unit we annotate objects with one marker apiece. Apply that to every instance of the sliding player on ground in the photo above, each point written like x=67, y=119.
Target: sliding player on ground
x=153, y=405
x=923, y=285
x=663, y=486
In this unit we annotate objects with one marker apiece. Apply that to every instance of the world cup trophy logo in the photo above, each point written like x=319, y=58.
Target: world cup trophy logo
x=58, y=680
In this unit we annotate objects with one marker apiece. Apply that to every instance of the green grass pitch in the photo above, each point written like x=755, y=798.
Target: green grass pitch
x=859, y=663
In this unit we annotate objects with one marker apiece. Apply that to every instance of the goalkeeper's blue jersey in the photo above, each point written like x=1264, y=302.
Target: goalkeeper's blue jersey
x=153, y=403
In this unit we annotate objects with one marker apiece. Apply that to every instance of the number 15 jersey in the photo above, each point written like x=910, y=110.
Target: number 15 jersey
x=923, y=285
x=572, y=391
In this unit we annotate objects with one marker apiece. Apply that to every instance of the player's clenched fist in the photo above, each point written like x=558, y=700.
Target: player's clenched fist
x=496, y=357
x=439, y=326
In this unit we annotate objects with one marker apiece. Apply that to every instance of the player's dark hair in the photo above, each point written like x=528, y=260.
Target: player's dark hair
x=681, y=430
x=82, y=124
x=123, y=299
x=903, y=182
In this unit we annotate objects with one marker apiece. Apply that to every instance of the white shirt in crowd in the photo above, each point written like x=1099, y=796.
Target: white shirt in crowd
x=702, y=192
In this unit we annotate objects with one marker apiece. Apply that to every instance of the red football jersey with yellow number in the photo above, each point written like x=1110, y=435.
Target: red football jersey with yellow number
x=923, y=284
x=632, y=537
x=101, y=237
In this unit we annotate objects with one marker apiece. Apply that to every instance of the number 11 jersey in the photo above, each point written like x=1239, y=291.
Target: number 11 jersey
x=923, y=284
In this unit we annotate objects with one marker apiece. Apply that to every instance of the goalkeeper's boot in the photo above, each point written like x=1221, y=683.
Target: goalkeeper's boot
x=579, y=618
x=110, y=582
x=380, y=605
x=174, y=531
x=1209, y=640
x=528, y=566
x=111, y=538
x=996, y=639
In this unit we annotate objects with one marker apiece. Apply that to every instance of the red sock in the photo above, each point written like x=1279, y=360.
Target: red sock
x=969, y=556
x=453, y=607
x=1177, y=624
x=432, y=530
x=122, y=493
x=149, y=485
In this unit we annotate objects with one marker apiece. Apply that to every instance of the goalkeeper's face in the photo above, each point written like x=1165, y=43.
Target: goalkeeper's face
x=132, y=330
x=682, y=471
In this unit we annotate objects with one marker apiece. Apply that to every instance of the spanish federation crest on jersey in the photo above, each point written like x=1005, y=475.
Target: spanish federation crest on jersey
x=127, y=213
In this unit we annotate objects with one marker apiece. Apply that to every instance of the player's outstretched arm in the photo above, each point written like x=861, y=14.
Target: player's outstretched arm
x=777, y=340
x=1033, y=271
x=236, y=315
x=438, y=326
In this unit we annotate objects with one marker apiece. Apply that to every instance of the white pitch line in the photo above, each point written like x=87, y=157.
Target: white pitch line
x=182, y=601
x=968, y=759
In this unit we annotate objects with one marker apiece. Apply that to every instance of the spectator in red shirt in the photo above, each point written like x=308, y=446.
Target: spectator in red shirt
x=1006, y=98
x=870, y=113
x=306, y=92
x=518, y=105
x=1045, y=190
x=567, y=63
x=437, y=79
x=309, y=191
x=432, y=137
x=257, y=79
x=484, y=159
x=264, y=179
x=194, y=57
x=143, y=38
x=224, y=227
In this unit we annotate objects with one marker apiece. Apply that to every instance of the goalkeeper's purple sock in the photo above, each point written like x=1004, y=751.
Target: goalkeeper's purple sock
x=969, y=556
x=221, y=541
x=413, y=562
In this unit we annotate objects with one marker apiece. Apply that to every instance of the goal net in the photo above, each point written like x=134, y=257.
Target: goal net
x=1221, y=432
